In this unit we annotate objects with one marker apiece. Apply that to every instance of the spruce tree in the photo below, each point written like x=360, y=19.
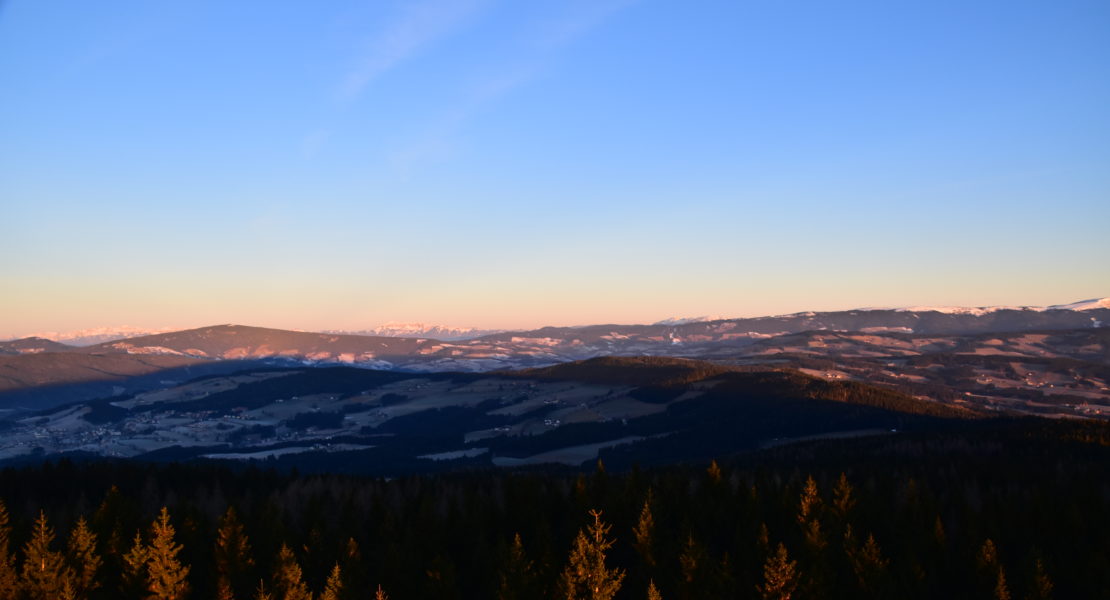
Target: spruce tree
x=644, y=532
x=134, y=580
x=653, y=592
x=780, y=576
x=84, y=559
x=9, y=581
x=44, y=570
x=868, y=564
x=1042, y=585
x=233, y=557
x=288, y=578
x=586, y=577
x=334, y=586
x=260, y=592
x=166, y=576
x=843, y=500
x=518, y=577
x=810, y=501
x=693, y=563
x=714, y=472
x=380, y=594
x=1001, y=590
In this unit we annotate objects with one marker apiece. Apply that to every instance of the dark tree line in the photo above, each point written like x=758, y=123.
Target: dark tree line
x=1019, y=511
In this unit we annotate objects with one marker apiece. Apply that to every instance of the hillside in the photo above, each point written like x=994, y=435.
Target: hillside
x=240, y=342
x=390, y=422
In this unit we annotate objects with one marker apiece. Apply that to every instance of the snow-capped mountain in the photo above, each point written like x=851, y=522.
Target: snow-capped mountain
x=1092, y=304
x=98, y=335
x=423, y=330
x=686, y=320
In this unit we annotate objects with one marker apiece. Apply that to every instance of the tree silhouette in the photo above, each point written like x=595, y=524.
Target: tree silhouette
x=233, y=556
x=44, y=570
x=653, y=592
x=867, y=563
x=134, y=580
x=780, y=576
x=334, y=586
x=260, y=592
x=586, y=577
x=517, y=580
x=1042, y=585
x=166, y=576
x=1001, y=590
x=644, y=532
x=288, y=579
x=843, y=498
x=9, y=581
x=693, y=562
x=84, y=559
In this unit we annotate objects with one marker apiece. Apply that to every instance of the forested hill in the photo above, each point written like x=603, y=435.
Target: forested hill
x=1014, y=509
x=633, y=410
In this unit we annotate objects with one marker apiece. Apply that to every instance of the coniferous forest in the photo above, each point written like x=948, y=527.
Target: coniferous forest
x=1004, y=509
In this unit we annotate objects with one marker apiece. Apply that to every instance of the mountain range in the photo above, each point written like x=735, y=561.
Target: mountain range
x=301, y=390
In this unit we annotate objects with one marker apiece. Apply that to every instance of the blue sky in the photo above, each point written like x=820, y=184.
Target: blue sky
x=512, y=164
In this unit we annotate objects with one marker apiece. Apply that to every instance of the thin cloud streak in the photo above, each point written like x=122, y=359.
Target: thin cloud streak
x=555, y=35
x=420, y=26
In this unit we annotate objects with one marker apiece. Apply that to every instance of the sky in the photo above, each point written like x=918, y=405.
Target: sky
x=495, y=163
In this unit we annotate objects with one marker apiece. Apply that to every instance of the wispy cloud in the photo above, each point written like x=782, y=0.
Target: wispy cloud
x=438, y=140
x=418, y=27
x=578, y=22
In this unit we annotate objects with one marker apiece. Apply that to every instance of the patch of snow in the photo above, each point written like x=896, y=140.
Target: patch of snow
x=422, y=330
x=99, y=335
x=688, y=320
x=1092, y=304
x=455, y=454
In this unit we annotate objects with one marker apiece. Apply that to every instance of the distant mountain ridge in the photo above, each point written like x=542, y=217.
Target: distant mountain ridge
x=1045, y=362
x=421, y=330
x=98, y=335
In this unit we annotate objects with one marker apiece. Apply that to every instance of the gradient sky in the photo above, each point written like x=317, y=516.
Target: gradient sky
x=488, y=163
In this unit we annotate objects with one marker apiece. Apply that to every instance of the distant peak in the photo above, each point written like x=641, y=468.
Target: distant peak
x=409, y=330
x=686, y=320
x=1093, y=304
x=98, y=335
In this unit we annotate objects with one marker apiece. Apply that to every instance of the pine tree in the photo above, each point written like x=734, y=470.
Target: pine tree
x=288, y=578
x=334, y=586
x=644, y=532
x=988, y=555
x=714, y=472
x=868, y=563
x=780, y=576
x=260, y=592
x=653, y=592
x=586, y=577
x=843, y=501
x=693, y=562
x=380, y=594
x=1042, y=585
x=44, y=570
x=223, y=589
x=84, y=559
x=809, y=502
x=166, y=576
x=1001, y=590
x=518, y=577
x=9, y=581
x=938, y=532
x=233, y=556
x=134, y=581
